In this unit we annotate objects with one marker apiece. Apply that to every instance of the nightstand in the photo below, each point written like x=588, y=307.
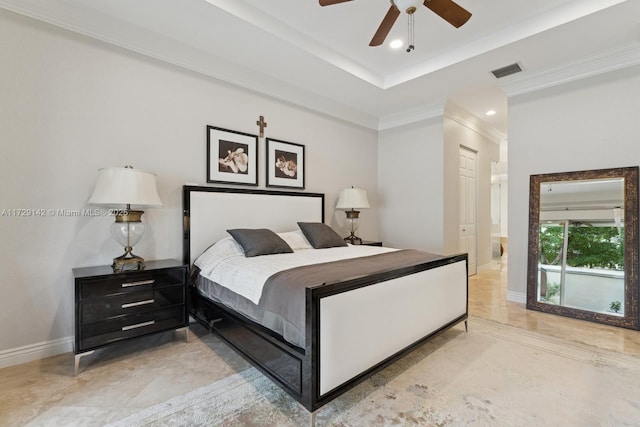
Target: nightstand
x=370, y=243
x=115, y=306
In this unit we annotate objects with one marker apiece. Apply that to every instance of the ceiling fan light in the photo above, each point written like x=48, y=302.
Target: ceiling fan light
x=408, y=6
x=396, y=44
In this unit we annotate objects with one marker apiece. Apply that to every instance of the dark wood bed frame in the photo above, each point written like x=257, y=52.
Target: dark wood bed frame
x=294, y=369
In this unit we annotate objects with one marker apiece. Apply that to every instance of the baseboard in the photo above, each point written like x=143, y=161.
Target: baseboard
x=29, y=353
x=519, y=297
x=490, y=266
x=484, y=267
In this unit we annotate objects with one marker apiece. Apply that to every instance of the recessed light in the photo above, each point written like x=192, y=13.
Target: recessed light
x=491, y=113
x=396, y=44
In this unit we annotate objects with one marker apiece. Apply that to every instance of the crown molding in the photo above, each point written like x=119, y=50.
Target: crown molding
x=176, y=53
x=409, y=116
x=60, y=14
x=453, y=112
x=465, y=118
x=604, y=62
x=615, y=59
x=297, y=38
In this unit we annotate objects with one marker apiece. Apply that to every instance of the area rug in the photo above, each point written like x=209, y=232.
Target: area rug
x=493, y=375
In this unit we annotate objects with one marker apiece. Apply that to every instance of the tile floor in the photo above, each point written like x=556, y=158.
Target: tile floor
x=487, y=299
x=124, y=378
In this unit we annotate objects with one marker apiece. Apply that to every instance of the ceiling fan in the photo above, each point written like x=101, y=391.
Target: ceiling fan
x=448, y=10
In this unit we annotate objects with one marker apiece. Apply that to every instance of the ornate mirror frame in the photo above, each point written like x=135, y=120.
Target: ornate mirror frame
x=631, y=290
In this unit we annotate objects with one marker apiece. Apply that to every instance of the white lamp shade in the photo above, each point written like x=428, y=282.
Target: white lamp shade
x=352, y=198
x=126, y=186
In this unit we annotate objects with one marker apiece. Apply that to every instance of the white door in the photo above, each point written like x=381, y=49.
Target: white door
x=467, y=210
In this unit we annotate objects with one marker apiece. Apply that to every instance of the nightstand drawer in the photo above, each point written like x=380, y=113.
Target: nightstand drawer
x=96, y=310
x=115, y=306
x=124, y=327
x=125, y=283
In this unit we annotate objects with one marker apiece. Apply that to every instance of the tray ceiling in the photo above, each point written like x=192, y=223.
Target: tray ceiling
x=319, y=57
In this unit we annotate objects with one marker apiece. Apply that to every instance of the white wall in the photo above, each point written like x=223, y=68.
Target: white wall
x=70, y=105
x=589, y=124
x=418, y=185
x=457, y=134
x=410, y=186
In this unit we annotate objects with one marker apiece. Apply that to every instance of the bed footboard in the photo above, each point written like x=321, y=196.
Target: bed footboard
x=390, y=316
x=354, y=328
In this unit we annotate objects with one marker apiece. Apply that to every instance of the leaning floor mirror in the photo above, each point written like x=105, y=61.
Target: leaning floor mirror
x=583, y=245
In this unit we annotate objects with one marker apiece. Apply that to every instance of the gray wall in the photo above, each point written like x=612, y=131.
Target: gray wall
x=410, y=185
x=71, y=105
x=589, y=124
x=418, y=185
x=458, y=134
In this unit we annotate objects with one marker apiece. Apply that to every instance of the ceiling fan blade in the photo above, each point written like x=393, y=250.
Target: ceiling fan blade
x=330, y=2
x=385, y=26
x=451, y=12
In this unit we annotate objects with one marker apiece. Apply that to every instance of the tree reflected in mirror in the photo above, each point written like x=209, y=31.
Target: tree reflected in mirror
x=595, y=251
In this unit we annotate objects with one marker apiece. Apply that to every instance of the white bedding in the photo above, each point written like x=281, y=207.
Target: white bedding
x=225, y=264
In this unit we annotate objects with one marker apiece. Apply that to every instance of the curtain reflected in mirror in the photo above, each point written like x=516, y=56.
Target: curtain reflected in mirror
x=583, y=243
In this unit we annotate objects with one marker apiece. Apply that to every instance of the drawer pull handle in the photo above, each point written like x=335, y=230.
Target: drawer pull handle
x=137, y=303
x=139, y=283
x=138, y=325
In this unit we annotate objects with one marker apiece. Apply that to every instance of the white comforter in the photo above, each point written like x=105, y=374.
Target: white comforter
x=225, y=264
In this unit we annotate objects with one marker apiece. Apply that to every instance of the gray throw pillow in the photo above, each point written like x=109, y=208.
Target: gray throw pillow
x=320, y=235
x=259, y=241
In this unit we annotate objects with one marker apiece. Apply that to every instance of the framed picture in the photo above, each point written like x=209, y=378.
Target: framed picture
x=285, y=164
x=232, y=157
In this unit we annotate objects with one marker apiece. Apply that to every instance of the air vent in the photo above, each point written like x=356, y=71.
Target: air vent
x=506, y=71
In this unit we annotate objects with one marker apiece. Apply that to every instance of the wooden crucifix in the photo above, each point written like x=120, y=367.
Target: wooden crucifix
x=262, y=125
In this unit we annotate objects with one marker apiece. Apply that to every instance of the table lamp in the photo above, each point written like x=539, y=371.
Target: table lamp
x=119, y=188
x=352, y=199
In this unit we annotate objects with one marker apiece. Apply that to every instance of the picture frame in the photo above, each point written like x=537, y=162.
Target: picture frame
x=285, y=164
x=232, y=157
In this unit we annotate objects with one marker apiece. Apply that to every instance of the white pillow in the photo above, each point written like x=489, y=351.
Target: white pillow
x=221, y=250
x=295, y=239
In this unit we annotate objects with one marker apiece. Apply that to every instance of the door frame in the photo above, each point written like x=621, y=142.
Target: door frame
x=473, y=258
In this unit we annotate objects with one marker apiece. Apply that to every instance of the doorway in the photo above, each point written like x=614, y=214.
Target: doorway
x=467, y=211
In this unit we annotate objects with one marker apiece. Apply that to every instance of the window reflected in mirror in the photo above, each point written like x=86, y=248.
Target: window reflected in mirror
x=579, y=260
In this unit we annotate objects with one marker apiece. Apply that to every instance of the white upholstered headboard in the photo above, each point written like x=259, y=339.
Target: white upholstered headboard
x=210, y=211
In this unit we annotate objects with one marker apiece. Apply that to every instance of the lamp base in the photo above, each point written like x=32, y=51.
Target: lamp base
x=353, y=239
x=128, y=261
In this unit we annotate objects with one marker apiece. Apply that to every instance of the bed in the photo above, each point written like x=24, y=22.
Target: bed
x=352, y=326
